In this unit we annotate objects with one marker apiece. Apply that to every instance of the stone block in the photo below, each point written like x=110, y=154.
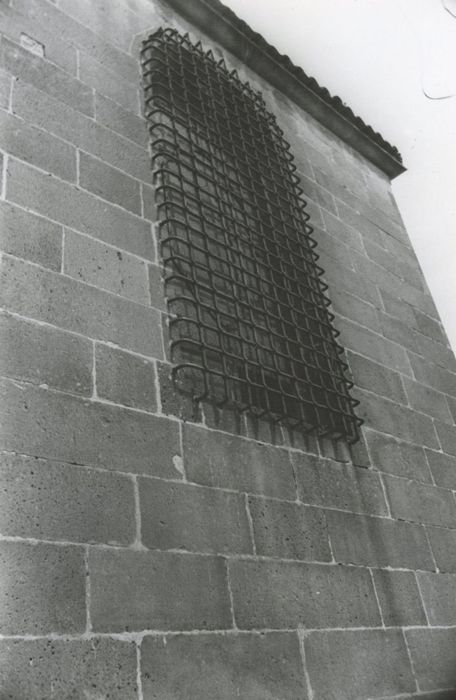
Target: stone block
x=366, y=541
x=125, y=379
x=326, y=483
x=365, y=342
x=77, y=209
x=227, y=461
x=156, y=287
x=399, y=598
x=421, y=503
x=341, y=231
x=355, y=309
x=289, y=530
x=108, y=83
x=376, y=378
x=117, y=27
x=447, y=437
x=319, y=195
x=204, y=667
x=37, y=147
x=49, y=297
x=16, y=24
x=86, y=134
x=174, y=402
x=433, y=656
x=430, y=327
x=434, y=376
x=46, y=76
x=149, y=204
x=105, y=267
x=362, y=664
x=443, y=545
x=193, y=518
x=45, y=669
x=439, y=597
x=70, y=31
x=395, y=457
x=423, y=398
x=5, y=88
x=133, y=591
x=339, y=276
x=53, y=501
x=110, y=184
x=30, y=237
x=123, y=121
x=398, y=308
x=44, y=355
x=66, y=428
x=395, y=420
x=42, y=589
x=286, y=595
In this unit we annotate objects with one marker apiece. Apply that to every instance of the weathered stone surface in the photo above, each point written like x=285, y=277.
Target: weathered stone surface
x=46, y=296
x=42, y=589
x=399, y=598
x=204, y=667
x=43, y=355
x=106, y=267
x=439, y=597
x=52, y=501
x=410, y=500
x=427, y=400
x=62, y=427
x=121, y=120
x=217, y=459
x=284, y=595
x=109, y=183
x=432, y=653
x=78, y=209
x=367, y=541
x=88, y=135
x=78, y=669
x=5, y=88
x=192, y=518
x=30, y=237
x=447, y=437
x=46, y=76
x=133, y=591
x=396, y=457
x=361, y=665
x=125, y=378
x=396, y=420
x=443, y=468
x=376, y=378
x=324, y=482
x=37, y=147
x=443, y=545
x=289, y=530
x=108, y=83
x=365, y=342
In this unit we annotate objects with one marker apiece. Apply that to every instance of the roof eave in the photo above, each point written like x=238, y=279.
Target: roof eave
x=222, y=25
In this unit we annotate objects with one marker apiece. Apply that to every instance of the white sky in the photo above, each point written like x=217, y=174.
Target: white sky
x=394, y=63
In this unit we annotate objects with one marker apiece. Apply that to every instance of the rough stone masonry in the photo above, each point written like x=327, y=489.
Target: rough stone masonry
x=150, y=553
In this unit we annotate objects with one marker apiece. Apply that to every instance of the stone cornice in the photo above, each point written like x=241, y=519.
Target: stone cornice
x=222, y=25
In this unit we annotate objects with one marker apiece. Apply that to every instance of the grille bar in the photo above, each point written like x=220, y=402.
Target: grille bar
x=248, y=318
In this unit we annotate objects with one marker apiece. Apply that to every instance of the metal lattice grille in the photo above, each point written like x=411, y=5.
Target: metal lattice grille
x=248, y=318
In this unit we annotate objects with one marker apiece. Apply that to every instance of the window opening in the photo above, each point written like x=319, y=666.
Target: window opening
x=248, y=312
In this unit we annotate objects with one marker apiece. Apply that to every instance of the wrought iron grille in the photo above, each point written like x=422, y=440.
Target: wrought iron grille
x=248, y=319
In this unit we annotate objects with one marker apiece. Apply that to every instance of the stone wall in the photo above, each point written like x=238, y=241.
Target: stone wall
x=150, y=553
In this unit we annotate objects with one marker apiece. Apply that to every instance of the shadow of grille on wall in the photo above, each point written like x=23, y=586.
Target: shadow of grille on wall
x=248, y=319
